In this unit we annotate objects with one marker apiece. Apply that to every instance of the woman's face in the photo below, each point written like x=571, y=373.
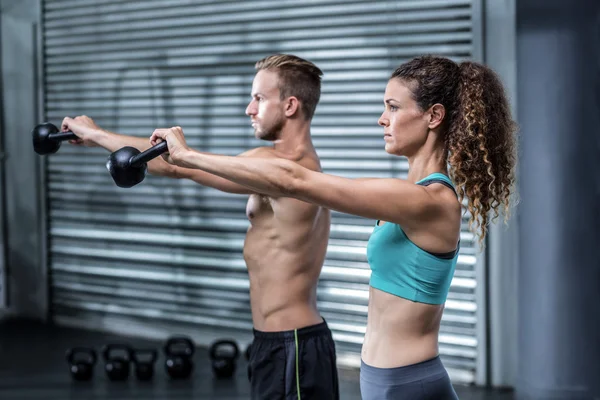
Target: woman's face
x=405, y=125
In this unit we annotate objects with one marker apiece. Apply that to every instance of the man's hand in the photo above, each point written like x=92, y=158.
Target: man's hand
x=84, y=127
x=175, y=140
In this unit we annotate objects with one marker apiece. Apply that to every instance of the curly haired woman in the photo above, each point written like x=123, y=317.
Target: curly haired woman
x=453, y=124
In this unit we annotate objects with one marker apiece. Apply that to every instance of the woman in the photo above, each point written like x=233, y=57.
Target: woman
x=453, y=123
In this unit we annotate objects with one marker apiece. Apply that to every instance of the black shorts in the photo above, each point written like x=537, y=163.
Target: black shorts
x=298, y=364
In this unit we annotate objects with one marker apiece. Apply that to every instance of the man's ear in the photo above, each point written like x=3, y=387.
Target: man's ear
x=437, y=112
x=292, y=106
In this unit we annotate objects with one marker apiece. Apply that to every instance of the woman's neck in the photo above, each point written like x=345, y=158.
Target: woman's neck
x=428, y=160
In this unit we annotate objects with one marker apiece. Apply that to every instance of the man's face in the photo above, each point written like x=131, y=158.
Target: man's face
x=266, y=108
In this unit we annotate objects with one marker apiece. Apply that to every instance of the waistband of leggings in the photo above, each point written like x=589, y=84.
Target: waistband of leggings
x=402, y=375
x=320, y=329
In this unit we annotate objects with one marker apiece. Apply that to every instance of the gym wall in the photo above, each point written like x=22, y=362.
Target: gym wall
x=22, y=193
x=165, y=256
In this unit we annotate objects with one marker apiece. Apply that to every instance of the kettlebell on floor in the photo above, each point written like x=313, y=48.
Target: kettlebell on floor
x=81, y=362
x=143, y=362
x=223, y=354
x=117, y=359
x=179, y=351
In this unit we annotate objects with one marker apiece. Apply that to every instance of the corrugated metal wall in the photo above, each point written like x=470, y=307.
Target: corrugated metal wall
x=170, y=251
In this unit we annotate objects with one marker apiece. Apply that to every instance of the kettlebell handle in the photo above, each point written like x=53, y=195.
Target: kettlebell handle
x=70, y=354
x=136, y=352
x=222, y=343
x=189, y=346
x=109, y=348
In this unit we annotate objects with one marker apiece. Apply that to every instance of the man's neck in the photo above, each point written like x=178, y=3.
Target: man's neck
x=294, y=137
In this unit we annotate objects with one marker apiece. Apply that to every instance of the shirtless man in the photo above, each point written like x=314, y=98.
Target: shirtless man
x=293, y=352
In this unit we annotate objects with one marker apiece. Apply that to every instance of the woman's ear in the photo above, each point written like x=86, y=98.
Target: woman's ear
x=437, y=112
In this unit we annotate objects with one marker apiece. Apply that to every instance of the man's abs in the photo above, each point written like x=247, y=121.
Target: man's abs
x=283, y=304
x=284, y=260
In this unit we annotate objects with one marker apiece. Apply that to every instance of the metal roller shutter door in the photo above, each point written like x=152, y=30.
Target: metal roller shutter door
x=170, y=251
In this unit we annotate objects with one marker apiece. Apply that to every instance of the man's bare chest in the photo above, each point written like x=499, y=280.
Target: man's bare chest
x=259, y=208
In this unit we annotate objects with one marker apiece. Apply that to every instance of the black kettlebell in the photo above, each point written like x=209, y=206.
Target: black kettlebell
x=247, y=355
x=224, y=362
x=82, y=369
x=117, y=365
x=128, y=166
x=143, y=360
x=47, y=138
x=179, y=351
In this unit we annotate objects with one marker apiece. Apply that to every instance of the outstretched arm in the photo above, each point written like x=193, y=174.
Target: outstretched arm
x=206, y=178
x=91, y=135
x=388, y=199
x=393, y=200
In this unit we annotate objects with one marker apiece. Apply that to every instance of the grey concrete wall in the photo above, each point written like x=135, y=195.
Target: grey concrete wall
x=559, y=272
x=503, y=241
x=23, y=185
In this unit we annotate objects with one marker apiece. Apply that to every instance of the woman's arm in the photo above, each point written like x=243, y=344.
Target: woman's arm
x=388, y=199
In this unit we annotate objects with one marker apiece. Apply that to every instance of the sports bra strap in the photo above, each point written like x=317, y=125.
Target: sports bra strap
x=444, y=180
x=437, y=178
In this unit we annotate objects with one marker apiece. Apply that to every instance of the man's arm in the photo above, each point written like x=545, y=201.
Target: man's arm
x=92, y=135
x=157, y=166
x=211, y=180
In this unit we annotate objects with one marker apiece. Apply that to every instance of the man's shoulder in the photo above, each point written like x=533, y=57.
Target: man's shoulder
x=308, y=160
x=262, y=151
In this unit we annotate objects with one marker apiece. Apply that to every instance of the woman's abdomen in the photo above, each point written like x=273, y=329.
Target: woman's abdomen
x=400, y=332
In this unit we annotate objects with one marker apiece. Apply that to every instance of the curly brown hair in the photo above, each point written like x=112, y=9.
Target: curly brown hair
x=480, y=133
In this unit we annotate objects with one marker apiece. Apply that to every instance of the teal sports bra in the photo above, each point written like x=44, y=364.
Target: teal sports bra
x=400, y=267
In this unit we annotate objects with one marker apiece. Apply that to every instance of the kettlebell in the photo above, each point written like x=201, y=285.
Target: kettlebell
x=81, y=369
x=179, y=351
x=247, y=355
x=224, y=363
x=117, y=366
x=143, y=361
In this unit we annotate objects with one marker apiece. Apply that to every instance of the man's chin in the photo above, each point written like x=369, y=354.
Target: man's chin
x=263, y=136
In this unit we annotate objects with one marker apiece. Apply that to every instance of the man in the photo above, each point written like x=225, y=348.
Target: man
x=293, y=353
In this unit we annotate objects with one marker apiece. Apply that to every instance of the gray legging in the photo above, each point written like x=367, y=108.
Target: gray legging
x=426, y=380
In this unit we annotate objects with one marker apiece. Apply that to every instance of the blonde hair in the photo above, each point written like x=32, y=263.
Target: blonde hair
x=297, y=77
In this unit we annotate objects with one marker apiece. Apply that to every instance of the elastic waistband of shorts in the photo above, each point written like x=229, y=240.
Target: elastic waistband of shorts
x=402, y=375
x=320, y=329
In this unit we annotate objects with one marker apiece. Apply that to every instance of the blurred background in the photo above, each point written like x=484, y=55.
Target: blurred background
x=165, y=257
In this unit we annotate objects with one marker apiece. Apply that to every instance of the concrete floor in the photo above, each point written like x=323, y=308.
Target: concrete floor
x=33, y=366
